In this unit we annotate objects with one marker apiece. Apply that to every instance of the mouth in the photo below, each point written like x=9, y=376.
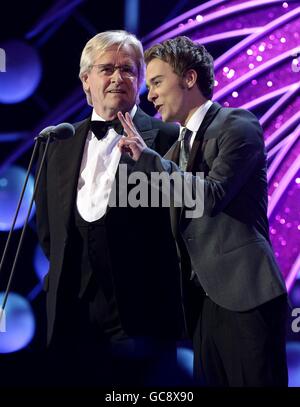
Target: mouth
x=116, y=91
x=157, y=107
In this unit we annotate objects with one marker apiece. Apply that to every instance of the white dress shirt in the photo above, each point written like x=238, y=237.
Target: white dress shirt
x=97, y=172
x=196, y=119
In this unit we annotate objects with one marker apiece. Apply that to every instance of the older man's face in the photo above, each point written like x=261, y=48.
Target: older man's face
x=111, y=89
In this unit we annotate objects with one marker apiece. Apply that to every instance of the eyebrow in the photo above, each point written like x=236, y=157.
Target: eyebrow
x=153, y=80
x=110, y=64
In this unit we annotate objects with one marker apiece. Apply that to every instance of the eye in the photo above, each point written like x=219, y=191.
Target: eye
x=107, y=70
x=127, y=69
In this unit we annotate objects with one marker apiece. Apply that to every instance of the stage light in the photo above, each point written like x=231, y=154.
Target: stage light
x=19, y=324
x=41, y=263
x=293, y=357
x=185, y=359
x=11, y=182
x=23, y=72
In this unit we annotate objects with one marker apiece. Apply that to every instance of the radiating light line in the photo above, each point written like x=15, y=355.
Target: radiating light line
x=283, y=152
x=255, y=72
x=283, y=185
x=254, y=37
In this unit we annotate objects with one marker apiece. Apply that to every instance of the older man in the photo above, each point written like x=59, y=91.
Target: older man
x=112, y=287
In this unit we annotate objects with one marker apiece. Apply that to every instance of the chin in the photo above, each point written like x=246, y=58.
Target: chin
x=119, y=102
x=166, y=118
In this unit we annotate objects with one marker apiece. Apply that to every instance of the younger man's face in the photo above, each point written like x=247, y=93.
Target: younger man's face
x=166, y=91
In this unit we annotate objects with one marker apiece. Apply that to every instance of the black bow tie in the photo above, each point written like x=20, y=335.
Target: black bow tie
x=100, y=128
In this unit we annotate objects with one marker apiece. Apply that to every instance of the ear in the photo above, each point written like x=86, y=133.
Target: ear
x=190, y=78
x=85, y=81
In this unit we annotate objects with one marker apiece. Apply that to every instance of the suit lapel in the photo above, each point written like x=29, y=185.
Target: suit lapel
x=200, y=140
x=144, y=125
x=173, y=153
x=69, y=161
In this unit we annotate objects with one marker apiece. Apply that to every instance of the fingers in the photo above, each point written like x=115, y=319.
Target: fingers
x=124, y=123
x=129, y=120
x=130, y=146
x=127, y=124
x=133, y=143
x=127, y=142
x=125, y=150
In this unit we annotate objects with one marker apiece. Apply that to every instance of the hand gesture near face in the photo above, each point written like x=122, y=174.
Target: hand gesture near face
x=133, y=144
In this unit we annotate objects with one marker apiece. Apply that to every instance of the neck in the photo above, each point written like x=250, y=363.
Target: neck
x=111, y=114
x=108, y=114
x=191, y=110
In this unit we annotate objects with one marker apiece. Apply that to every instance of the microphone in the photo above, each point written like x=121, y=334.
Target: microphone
x=62, y=131
x=46, y=132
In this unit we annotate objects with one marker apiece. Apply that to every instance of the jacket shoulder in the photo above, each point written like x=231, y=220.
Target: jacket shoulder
x=167, y=135
x=238, y=114
x=167, y=128
x=81, y=123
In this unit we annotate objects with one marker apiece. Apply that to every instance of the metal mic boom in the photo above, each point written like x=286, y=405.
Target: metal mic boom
x=60, y=132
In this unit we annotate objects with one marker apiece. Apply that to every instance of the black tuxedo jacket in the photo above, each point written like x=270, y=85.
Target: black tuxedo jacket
x=142, y=249
x=229, y=245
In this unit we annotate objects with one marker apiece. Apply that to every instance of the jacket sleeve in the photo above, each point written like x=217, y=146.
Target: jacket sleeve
x=240, y=150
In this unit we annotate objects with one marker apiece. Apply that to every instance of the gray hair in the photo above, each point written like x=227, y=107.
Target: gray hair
x=100, y=43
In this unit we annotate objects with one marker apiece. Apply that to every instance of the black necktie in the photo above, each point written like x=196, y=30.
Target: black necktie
x=100, y=128
x=185, y=137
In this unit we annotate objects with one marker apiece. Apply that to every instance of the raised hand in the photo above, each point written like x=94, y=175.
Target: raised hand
x=132, y=143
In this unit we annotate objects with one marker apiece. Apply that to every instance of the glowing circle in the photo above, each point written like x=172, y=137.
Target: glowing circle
x=19, y=326
x=293, y=357
x=11, y=182
x=41, y=263
x=185, y=358
x=295, y=294
x=22, y=74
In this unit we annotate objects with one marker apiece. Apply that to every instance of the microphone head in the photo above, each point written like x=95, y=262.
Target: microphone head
x=46, y=131
x=63, y=131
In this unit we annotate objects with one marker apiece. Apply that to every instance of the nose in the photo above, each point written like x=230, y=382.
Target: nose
x=116, y=76
x=151, y=95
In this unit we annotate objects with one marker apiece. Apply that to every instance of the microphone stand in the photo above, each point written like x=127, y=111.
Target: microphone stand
x=38, y=139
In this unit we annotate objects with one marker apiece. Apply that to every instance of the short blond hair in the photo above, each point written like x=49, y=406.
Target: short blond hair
x=97, y=45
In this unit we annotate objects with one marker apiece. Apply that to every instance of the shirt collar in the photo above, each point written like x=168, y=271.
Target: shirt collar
x=196, y=119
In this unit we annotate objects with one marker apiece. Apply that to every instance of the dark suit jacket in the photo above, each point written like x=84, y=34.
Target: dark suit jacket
x=229, y=245
x=142, y=248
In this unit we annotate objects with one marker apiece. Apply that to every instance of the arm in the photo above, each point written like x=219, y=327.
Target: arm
x=240, y=147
